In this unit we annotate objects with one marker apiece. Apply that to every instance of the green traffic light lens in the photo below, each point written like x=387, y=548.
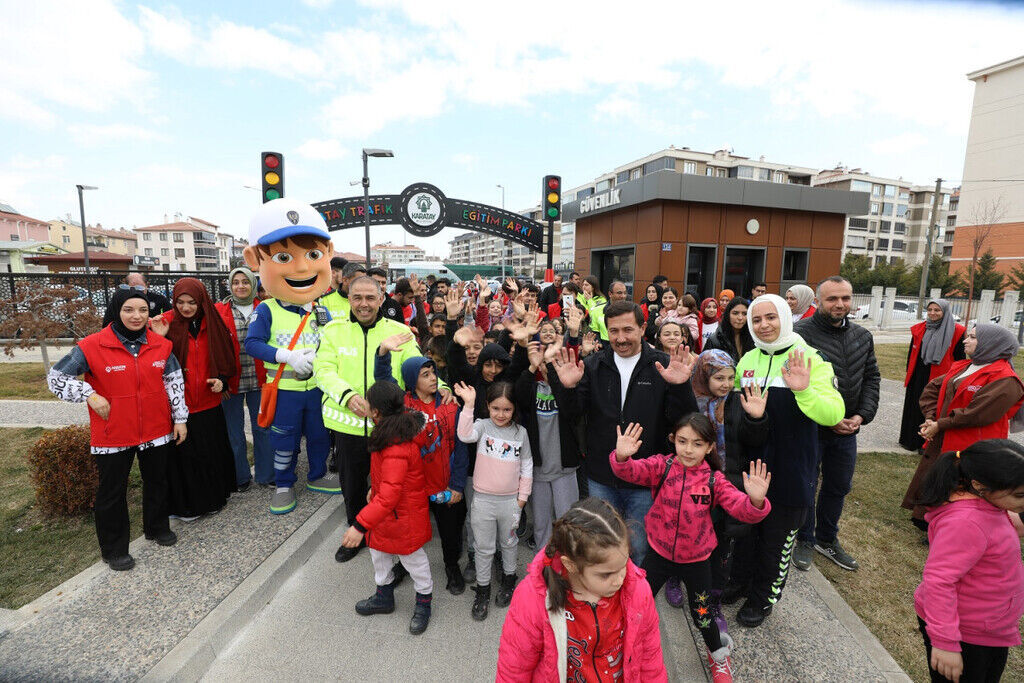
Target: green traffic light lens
x=273, y=194
x=552, y=212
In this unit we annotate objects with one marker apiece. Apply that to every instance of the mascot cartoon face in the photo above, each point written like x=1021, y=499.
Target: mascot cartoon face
x=290, y=248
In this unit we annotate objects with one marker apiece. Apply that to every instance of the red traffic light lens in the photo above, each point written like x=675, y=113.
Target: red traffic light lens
x=271, y=161
x=553, y=183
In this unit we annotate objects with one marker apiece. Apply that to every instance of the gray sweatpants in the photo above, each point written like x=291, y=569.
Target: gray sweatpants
x=494, y=520
x=551, y=500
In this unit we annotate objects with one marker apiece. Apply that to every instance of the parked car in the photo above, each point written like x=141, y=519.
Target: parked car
x=901, y=310
x=996, y=318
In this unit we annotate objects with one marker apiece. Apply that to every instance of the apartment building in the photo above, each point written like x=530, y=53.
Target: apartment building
x=395, y=254
x=474, y=248
x=15, y=227
x=67, y=234
x=991, y=198
x=190, y=244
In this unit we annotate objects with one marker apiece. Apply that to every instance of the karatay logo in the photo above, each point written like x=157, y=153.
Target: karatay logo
x=424, y=209
x=116, y=368
x=293, y=216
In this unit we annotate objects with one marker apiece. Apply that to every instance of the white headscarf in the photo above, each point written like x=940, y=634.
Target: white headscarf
x=787, y=337
x=804, y=298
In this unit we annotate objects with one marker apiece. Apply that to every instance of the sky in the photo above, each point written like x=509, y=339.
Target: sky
x=166, y=106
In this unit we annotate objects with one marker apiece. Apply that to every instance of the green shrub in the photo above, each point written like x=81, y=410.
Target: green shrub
x=63, y=471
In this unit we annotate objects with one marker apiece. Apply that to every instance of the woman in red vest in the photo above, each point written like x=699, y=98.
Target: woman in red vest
x=201, y=475
x=974, y=401
x=934, y=345
x=133, y=385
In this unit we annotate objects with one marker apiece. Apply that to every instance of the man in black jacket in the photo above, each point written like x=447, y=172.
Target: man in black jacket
x=627, y=381
x=851, y=350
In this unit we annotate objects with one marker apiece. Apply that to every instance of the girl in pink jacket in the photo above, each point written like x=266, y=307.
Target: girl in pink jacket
x=685, y=487
x=583, y=612
x=971, y=597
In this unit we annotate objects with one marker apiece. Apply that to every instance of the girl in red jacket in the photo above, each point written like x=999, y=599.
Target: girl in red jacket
x=583, y=612
x=971, y=597
x=685, y=487
x=395, y=521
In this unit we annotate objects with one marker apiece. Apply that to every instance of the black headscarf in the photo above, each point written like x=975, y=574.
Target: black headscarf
x=112, y=316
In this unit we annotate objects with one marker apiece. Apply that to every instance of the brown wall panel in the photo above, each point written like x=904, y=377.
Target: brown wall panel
x=798, y=229
x=735, y=220
x=777, y=228
x=646, y=261
x=672, y=264
x=601, y=231
x=648, y=222
x=824, y=263
x=704, y=223
x=624, y=226
x=583, y=234
x=827, y=231
x=772, y=269
x=675, y=222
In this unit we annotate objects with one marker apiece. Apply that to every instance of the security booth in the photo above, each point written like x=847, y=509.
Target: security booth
x=707, y=234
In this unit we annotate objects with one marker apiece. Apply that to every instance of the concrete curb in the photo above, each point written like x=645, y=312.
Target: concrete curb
x=849, y=619
x=194, y=654
x=681, y=644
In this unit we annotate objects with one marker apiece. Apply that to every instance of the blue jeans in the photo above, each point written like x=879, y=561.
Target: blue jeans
x=262, y=457
x=298, y=414
x=633, y=505
x=837, y=457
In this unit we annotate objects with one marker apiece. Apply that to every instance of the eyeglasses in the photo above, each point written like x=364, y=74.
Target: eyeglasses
x=133, y=288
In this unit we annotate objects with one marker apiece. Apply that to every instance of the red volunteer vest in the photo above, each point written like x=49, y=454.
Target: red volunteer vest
x=134, y=386
x=959, y=439
x=942, y=367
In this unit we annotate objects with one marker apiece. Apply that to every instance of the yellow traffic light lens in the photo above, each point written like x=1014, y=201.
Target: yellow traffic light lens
x=272, y=178
x=553, y=198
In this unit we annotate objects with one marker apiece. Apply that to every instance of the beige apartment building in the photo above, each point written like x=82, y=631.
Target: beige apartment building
x=67, y=234
x=396, y=254
x=190, y=244
x=992, y=190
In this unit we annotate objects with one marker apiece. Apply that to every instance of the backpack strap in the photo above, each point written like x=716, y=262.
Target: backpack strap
x=664, y=475
x=711, y=488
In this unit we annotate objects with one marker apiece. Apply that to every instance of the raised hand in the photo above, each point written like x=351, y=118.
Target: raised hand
x=452, y=304
x=756, y=483
x=753, y=401
x=535, y=354
x=159, y=325
x=466, y=393
x=627, y=443
x=510, y=282
x=680, y=366
x=574, y=321
x=551, y=352
x=796, y=371
x=589, y=343
x=463, y=336
x=389, y=344
x=569, y=369
x=519, y=305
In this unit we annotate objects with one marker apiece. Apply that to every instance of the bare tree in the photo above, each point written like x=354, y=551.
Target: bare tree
x=983, y=219
x=36, y=314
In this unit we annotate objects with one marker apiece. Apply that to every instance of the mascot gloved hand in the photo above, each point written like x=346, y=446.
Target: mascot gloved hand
x=290, y=248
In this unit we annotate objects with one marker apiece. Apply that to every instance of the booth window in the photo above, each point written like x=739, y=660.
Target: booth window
x=794, y=265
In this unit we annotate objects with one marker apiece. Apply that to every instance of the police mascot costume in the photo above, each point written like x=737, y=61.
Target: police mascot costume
x=291, y=250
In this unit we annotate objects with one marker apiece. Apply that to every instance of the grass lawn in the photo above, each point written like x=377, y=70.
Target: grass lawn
x=876, y=530
x=24, y=380
x=40, y=553
x=892, y=360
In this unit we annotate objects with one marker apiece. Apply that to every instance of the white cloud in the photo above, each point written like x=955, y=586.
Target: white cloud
x=95, y=135
x=322, y=149
x=899, y=144
x=170, y=35
x=79, y=55
x=465, y=160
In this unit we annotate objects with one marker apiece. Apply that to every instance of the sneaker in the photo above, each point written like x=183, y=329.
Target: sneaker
x=381, y=602
x=421, y=614
x=835, y=552
x=345, y=554
x=456, y=582
x=121, y=563
x=328, y=483
x=803, y=556
x=503, y=597
x=242, y=488
x=733, y=592
x=469, y=573
x=720, y=663
x=480, y=602
x=164, y=538
x=674, y=592
x=283, y=501
x=752, y=615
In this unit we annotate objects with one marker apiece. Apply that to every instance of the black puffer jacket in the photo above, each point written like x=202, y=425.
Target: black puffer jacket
x=851, y=351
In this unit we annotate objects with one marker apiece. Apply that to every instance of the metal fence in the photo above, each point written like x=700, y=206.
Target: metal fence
x=98, y=288
x=905, y=309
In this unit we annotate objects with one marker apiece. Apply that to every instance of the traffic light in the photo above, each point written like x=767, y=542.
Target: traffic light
x=272, y=170
x=552, y=197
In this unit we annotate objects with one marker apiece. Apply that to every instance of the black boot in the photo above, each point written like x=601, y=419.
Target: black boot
x=733, y=592
x=470, y=572
x=345, y=554
x=481, y=601
x=752, y=614
x=381, y=602
x=420, y=615
x=505, y=589
x=456, y=584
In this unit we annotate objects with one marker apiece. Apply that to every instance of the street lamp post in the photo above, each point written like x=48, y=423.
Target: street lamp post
x=81, y=211
x=504, y=243
x=367, y=153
